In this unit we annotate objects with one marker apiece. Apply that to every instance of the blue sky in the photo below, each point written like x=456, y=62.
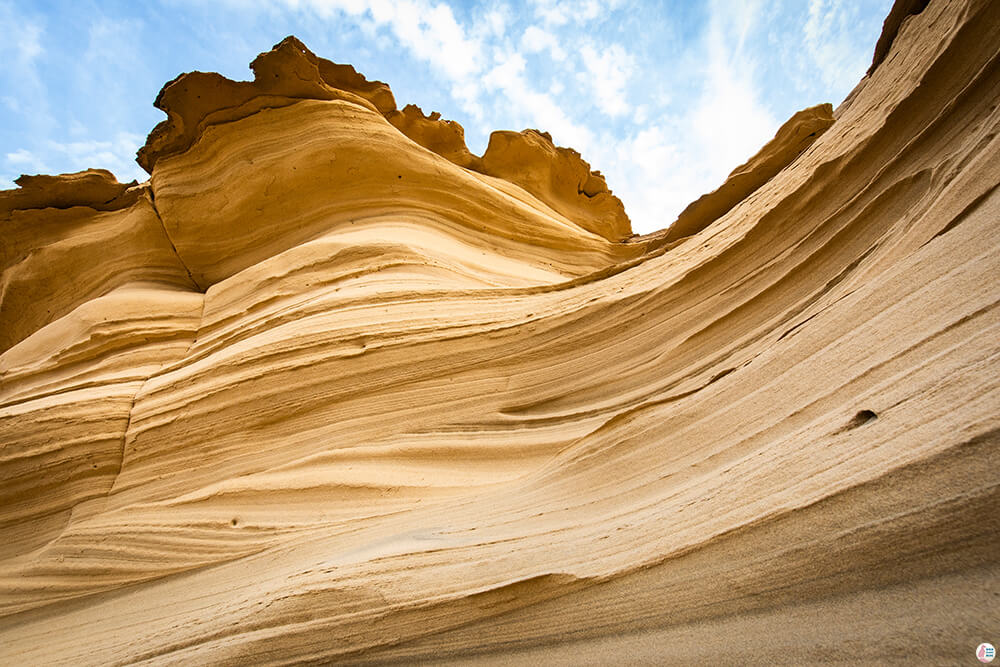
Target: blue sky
x=665, y=98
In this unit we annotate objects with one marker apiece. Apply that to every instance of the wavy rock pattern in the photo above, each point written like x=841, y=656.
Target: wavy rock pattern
x=330, y=387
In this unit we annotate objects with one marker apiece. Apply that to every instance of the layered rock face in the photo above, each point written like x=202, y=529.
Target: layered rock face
x=329, y=387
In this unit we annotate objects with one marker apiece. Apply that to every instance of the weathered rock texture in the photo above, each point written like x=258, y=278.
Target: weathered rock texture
x=330, y=387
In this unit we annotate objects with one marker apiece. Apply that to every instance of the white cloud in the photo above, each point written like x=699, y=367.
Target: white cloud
x=26, y=42
x=644, y=170
x=429, y=30
x=442, y=42
x=561, y=12
x=116, y=155
x=589, y=10
x=496, y=20
x=552, y=13
x=537, y=108
x=25, y=159
x=506, y=73
x=536, y=40
x=21, y=51
x=608, y=70
x=831, y=42
x=21, y=44
x=468, y=94
x=659, y=168
x=729, y=120
x=431, y=33
x=21, y=161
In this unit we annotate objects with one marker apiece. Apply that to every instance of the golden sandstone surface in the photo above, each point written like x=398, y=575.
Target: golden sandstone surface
x=329, y=387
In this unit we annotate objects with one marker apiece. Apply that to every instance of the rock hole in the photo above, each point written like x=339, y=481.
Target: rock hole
x=234, y=522
x=862, y=418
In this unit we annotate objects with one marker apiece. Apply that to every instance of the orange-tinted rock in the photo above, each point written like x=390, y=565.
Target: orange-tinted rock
x=901, y=10
x=283, y=176
x=97, y=189
x=72, y=238
x=198, y=102
x=560, y=178
x=282, y=76
x=444, y=137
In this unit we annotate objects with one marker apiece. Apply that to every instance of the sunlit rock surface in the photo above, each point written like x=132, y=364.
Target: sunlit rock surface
x=329, y=387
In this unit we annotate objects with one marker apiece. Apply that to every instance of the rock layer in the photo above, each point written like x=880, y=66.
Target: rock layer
x=326, y=391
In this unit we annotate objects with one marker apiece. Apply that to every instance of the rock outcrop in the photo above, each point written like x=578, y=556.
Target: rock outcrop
x=331, y=388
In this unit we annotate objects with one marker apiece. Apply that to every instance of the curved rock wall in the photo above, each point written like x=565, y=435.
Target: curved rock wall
x=330, y=389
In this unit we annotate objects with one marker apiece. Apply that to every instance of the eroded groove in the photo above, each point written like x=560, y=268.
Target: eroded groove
x=166, y=234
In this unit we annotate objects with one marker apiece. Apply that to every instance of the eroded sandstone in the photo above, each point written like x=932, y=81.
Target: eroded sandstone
x=331, y=388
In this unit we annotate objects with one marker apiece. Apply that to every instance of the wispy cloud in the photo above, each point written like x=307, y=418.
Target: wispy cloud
x=116, y=155
x=26, y=43
x=536, y=40
x=25, y=159
x=665, y=99
x=608, y=70
x=562, y=12
x=729, y=119
x=429, y=31
x=535, y=108
x=21, y=49
x=831, y=40
x=663, y=163
x=22, y=44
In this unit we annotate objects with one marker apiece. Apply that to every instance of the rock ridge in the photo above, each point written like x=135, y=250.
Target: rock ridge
x=290, y=72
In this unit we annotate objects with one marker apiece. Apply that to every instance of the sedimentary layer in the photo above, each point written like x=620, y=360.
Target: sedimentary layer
x=331, y=388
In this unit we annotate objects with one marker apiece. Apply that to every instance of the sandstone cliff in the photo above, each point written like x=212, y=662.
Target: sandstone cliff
x=331, y=387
